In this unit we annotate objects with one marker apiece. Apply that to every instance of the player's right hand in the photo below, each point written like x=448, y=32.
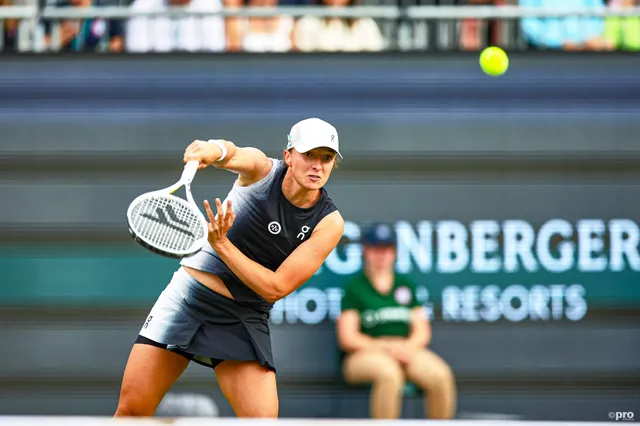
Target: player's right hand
x=203, y=152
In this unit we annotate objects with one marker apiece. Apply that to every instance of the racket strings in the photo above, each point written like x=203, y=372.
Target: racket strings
x=167, y=223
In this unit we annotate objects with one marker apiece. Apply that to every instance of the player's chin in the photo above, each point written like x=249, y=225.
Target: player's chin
x=313, y=182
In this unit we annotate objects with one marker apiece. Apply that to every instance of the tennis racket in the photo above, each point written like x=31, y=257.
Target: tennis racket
x=167, y=224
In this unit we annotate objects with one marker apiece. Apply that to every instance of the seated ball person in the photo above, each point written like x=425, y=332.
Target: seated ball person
x=385, y=332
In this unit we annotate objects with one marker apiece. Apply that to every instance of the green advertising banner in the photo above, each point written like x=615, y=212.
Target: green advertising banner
x=482, y=271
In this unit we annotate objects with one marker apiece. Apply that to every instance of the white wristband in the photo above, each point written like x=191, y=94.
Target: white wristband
x=221, y=146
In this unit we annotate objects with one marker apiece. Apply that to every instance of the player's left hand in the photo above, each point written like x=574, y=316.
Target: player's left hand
x=220, y=225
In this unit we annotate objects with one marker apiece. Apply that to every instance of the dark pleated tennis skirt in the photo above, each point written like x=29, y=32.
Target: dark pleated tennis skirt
x=206, y=327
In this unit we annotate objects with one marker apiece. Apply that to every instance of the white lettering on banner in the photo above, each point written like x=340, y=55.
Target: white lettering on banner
x=543, y=247
x=453, y=255
x=515, y=303
x=485, y=246
x=518, y=244
x=513, y=246
x=490, y=300
x=309, y=305
x=371, y=318
x=474, y=303
x=576, y=302
x=590, y=256
x=625, y=237
x=412, y=246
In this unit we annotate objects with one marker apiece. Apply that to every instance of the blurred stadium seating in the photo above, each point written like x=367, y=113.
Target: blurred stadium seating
x=424, y=25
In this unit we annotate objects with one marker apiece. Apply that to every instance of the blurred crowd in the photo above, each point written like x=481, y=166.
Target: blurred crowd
x=310, y=33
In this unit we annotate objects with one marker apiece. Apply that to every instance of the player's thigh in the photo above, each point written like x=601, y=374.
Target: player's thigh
x=149, y=374
x=427, y=369
x=249, y=387
x=370, y=365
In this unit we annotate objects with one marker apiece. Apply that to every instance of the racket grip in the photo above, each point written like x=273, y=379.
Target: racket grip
x=189, y=172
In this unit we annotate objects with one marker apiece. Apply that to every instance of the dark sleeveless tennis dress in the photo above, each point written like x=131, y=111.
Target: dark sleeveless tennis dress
x=208, y=328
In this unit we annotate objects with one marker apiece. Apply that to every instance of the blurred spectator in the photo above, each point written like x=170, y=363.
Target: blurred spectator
x=268, y=34
x=384, y=332
x=476, y=33
x=568, y=33
x=623, y=32
x=85, y=35
x=233, y=26
x=9, y=31
x=337, y=34
x=166, y=34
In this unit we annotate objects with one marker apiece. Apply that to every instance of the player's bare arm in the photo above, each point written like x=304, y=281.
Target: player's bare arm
x=251, y=164
x=301, y=264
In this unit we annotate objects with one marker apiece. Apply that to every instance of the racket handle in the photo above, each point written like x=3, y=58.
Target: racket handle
x=189, y=172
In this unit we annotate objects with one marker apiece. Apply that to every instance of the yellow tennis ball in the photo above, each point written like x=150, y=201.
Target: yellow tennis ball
x=494, y=61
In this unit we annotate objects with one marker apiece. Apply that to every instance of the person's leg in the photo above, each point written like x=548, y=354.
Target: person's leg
x=385, y=375
x=435, y=377
x=149, y=374
x=249, y=387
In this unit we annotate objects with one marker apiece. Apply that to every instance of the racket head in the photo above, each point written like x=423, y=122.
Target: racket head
x=167, y=225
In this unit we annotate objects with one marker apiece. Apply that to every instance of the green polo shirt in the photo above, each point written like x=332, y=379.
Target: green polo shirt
x=381, y=314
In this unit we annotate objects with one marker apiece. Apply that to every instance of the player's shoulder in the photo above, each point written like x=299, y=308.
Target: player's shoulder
x=330, y=211
x=331, y=227
x=265, y=176
x=333, y=218
x=277, y=164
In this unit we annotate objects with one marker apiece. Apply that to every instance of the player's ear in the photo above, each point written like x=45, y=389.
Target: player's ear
x=287, y=157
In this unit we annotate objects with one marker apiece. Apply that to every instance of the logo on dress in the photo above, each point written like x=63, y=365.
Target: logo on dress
x=402, y=295
x=303, y=232
x=274, y=227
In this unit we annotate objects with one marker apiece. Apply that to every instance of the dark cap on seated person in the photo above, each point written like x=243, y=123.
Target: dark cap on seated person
x=378, y=234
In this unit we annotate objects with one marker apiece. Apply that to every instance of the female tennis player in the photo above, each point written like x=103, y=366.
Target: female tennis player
x=275, y=230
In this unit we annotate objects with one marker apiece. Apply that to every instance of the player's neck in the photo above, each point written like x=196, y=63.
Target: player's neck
x=297, y=194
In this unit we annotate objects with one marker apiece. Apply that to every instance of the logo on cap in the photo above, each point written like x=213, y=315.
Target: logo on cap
x=383, y=232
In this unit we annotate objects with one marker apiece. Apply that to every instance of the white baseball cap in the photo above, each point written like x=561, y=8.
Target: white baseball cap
x=313, y=133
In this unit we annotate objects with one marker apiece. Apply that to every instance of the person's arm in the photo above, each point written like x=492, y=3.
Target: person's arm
x=251, y=164
x=420, y=334
x=350, y=338
x=294, y=271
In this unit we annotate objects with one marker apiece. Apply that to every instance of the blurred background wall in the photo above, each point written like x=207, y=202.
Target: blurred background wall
x=544, y=160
